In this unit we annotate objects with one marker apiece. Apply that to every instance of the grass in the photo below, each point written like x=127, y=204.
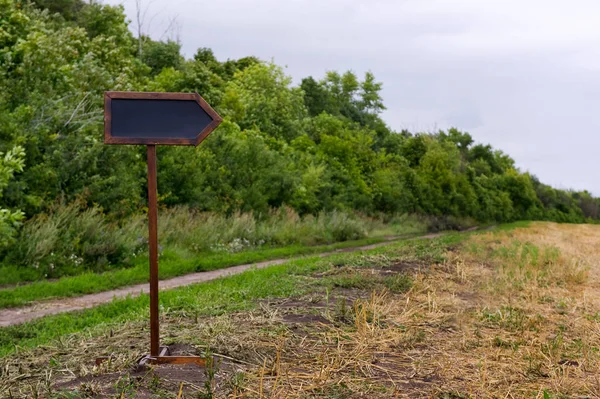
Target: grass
x=73, y=239
x=234, y=293
x=463, y=316
x=61, y=243
x=171, y=264
x=526, y=258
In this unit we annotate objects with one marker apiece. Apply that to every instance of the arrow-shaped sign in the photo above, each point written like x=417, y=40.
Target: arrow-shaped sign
x=151, y=119
x=157, y=118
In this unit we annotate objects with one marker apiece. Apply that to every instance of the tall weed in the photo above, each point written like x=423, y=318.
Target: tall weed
x=210, y=232
x=71, y=239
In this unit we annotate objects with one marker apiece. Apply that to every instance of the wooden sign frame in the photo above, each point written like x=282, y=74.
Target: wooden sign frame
x=158, y=354
x=127, y=95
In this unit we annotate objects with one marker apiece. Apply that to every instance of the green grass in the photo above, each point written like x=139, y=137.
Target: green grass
x=171, y=264
x=72, y=239
x=229, y=294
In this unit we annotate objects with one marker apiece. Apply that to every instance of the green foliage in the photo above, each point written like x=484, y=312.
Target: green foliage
x=317, y=147
x=344, y=96
x=68, y=9
x=260, y=97
x=211, y=232
x=70, y=240
x=10, y=221
x=160, y=55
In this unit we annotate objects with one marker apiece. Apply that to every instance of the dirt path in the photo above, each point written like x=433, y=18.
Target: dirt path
x=14, y=316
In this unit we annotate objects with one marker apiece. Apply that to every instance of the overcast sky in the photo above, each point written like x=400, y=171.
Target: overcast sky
x=522, y=75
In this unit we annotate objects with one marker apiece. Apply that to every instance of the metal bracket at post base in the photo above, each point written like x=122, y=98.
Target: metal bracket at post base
x=166, y=358
x=197, y=360
x=163, y=358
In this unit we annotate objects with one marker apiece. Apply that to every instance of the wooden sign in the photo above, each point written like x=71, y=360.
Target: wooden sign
x=157, y=118
x=152, y=119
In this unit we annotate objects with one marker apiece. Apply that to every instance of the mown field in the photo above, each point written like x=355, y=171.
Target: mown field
x=507, y=313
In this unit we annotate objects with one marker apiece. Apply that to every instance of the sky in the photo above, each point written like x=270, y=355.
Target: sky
x=522, y=75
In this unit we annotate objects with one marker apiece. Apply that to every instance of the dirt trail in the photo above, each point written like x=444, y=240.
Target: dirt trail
x=14, y=316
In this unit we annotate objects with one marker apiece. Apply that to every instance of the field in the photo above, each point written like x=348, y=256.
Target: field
x=509, y=313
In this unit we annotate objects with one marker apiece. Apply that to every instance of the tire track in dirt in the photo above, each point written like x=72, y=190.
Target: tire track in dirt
x=13, y=316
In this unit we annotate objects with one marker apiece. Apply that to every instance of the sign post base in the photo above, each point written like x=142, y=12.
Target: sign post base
x=164, y=357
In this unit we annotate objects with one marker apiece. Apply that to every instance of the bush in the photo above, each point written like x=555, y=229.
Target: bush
x=206, y=232
x=285, y=227
x=342, y=226
x=70, y=239
x=442, y=223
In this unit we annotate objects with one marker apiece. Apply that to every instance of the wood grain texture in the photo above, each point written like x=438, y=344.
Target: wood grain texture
x=107, y=117
x=153, y=245
x=139, y=95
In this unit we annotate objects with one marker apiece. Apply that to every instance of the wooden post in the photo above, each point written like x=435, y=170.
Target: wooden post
x=153, y=245
x=156, y=355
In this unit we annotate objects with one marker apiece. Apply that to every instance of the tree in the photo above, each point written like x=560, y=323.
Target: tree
x=345, y=96
x=316, y=97
x=10, y=163
x=370, y=98
x=70, y=10
x=261, y=97
x=588, y=204
x=159, y=55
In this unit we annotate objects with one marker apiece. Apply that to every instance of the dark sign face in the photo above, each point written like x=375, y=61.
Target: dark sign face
x=157, y=118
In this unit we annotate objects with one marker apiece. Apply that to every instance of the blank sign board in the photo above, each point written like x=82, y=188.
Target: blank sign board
x=157, y=118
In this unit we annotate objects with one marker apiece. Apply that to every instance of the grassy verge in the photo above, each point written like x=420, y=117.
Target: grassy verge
x=171, y=265
x=72, y=240
x=228, y=294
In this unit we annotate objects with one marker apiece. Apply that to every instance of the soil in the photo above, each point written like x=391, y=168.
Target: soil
x=305, y=319
x=152, y=381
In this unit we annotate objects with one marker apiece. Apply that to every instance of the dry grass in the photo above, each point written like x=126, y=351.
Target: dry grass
x=509, y=314
x=495, y=321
